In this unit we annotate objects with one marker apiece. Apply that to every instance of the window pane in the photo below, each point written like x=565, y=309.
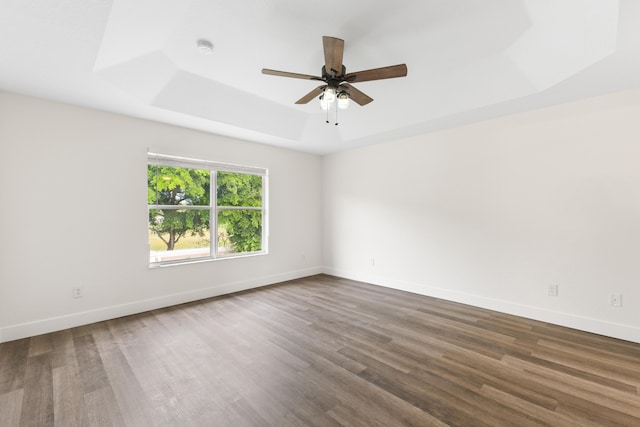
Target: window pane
x=183, y=208
x=239, y=189
x=239, y=231
x=178, y=234
x=178, y=186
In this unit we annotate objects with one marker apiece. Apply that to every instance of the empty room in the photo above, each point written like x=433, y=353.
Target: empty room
x=287, y=213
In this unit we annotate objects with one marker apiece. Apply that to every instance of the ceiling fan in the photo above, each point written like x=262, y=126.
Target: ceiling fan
x=337, y=82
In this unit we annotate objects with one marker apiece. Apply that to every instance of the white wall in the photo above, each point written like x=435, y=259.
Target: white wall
x=492, y=213
x=489, y=214
x=74, y=213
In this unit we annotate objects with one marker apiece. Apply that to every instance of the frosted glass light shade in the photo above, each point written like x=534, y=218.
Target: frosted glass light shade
x=330, y=94
x=324, y=105
x=343, y=100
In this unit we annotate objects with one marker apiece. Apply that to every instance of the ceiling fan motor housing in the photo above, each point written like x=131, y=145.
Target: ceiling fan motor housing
x=333, y=74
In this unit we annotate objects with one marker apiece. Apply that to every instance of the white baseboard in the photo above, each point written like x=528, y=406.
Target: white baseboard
x=43, y=326
x=614, y=330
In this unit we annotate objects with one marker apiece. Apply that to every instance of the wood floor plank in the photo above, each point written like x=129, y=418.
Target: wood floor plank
x=40, y=344
x=11, y=408
x=12, y=365
x=102, y=409
x=541, y=415
x=594, y=393
x=320, y=351
x=37, y=402
x=132, y=401
x=68, y=398
x=63, y=350
x=610, y=360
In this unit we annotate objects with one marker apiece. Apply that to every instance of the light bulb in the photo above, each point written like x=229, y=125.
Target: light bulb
x=343, y=100
x=324, y=105
x=330, y=94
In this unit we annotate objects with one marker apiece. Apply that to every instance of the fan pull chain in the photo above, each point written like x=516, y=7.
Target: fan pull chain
x=336, y=123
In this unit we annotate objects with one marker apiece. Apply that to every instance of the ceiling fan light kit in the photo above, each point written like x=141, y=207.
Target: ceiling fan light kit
x=337, y=88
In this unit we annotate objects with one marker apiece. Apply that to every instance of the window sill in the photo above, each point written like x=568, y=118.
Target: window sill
x=203, y=260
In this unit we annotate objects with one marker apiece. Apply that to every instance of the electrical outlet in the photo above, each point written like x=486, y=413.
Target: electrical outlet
x=77, y=292
x=615, y=300
x=552, y=291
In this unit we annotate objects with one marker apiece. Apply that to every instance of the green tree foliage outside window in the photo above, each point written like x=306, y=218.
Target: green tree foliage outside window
x=243, y=226
x=180, y=206
x=174, y=186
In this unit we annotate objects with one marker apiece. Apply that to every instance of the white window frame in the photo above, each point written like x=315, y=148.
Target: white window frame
x=213, y=208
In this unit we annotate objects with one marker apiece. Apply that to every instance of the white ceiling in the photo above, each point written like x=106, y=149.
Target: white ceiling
x=468, y=60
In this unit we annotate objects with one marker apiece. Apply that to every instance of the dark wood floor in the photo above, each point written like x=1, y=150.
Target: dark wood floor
x=320, y=351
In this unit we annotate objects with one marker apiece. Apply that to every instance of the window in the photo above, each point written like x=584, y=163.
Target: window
x=201, y=210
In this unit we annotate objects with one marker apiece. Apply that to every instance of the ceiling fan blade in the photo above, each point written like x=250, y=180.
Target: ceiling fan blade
x=357, y=96
x=377, y=74
x=311, y=95
x=333, y=53
x=287, y=74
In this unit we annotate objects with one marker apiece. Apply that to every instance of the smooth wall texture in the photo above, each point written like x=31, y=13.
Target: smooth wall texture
x=74, y=214
x=493, y=213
